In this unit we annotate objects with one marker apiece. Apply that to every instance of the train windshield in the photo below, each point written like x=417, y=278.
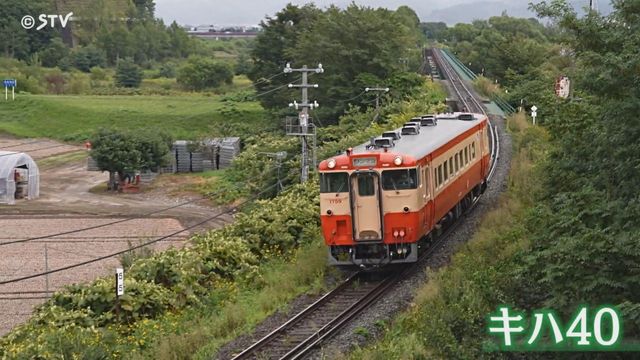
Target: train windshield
x=334, y=182
x=399, y=179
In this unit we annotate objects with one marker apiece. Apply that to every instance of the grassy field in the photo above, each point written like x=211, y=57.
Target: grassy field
x=75, y=118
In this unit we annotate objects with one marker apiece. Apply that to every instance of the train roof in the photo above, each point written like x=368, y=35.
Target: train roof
x=430, y=138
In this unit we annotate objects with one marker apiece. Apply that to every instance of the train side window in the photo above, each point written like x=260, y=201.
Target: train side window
x=473, y=150
x=403, y=179
x=461, y=159
x=446, y=170
x=466, y=155
x=440, y=175
x=457, y=163
x=451, y=166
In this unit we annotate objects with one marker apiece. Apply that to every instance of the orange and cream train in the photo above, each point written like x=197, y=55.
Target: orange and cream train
x=379, y=200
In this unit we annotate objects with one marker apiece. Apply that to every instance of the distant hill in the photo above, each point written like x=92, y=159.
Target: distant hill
x=468, y=12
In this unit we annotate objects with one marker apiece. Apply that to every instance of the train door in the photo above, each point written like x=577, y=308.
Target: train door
x=365, y=195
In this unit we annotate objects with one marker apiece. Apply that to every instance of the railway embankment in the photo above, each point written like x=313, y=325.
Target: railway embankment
x=458, y=289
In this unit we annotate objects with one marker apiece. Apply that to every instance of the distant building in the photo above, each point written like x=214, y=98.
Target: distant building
x=223, y=32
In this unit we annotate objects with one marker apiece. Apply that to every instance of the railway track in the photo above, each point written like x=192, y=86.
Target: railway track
x=470, y=104
x=302, y=333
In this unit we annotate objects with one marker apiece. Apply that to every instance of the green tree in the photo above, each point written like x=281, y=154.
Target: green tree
x=279, y=34
x=128, y=74
x=585, y=230
x=348, y=42
x=15, y=41
x=54, y=53
x=201, y=73
x=84, y=58
x=120, y=153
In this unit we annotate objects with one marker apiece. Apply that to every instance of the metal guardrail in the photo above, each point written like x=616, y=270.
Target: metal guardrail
x=500, y=102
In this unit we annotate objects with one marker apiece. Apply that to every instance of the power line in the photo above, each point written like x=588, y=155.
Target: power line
x=117, y=221
x=73, y=266
x=22, y=143
x=24, y=298
x=35, y=150
x=274, y=89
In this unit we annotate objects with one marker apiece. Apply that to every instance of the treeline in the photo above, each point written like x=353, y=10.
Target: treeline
x=522, y=56
x=566, y=234
x=358, y=47
x=105, y=31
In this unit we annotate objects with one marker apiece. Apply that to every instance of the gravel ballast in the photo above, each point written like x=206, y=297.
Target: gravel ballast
x=366, y=326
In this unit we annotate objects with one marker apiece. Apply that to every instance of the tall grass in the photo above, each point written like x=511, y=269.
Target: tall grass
x=486, y=87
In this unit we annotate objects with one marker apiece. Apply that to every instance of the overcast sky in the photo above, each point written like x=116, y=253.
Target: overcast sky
x=250, y=12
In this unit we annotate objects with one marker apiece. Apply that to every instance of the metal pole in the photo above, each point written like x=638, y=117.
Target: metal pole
x=6, y=93
x=304, y=116
x=13, y=93
x=378, y=91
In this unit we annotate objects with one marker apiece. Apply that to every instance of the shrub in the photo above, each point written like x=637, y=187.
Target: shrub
x=202, y=73
x=167, y=70
x=54, y=53
x=85, y=58
x=128, y=74
x=98, y=73
x=55, y=82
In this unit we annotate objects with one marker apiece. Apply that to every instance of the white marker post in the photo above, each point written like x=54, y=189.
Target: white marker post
x=119, y=281
x=534, y=113
x=119, y=290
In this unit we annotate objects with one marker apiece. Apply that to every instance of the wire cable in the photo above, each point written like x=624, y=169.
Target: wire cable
x=119, y=221
x=104, y=257
x=22, y=143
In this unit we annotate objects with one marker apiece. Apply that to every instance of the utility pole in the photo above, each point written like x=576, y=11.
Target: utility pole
x=593, y=5
x=378, y=91
x=304, y=128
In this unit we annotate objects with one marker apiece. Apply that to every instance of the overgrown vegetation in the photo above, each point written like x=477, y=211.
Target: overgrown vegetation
x=222, y=272
x=566, y=233
x=459, y=296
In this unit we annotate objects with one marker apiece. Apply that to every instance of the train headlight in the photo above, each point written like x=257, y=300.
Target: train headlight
x=398, y=160
x=331, y=164
x=402, y=233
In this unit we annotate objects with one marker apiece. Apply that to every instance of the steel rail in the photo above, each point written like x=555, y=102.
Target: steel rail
x=257, y=350
x=455, y=81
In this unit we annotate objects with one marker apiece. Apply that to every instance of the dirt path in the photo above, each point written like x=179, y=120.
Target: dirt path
x=65, y=188
x=66, y=204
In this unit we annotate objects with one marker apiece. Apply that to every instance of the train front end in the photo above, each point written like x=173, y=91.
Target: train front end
x=370, y=209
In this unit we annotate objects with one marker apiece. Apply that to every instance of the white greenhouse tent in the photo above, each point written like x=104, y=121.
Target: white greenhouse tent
x=19, y=177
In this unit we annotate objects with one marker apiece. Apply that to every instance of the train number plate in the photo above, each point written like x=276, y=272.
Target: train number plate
x=368, y=162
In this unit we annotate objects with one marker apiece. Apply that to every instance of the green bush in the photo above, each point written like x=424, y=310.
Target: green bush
x=202, y=73
x=128, y=74
x=84, y=58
